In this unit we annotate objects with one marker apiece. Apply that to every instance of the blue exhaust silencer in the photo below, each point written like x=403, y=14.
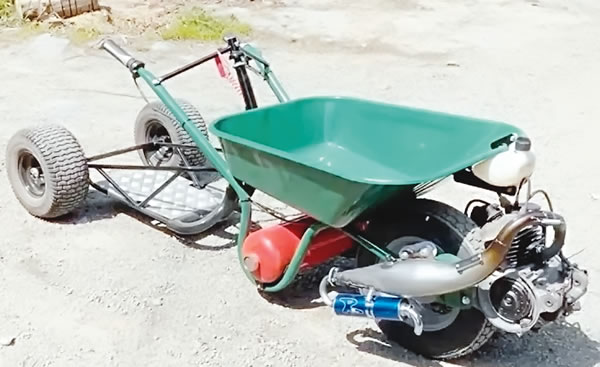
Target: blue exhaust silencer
x=380, y=308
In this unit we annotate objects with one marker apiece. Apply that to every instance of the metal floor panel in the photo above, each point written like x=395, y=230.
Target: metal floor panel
x=179, y=198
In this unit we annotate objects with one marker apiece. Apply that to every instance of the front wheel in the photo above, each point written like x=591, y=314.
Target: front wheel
x=448, y=332
x=47, y=170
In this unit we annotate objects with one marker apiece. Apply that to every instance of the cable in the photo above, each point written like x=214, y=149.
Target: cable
x=275, y=214
x=472, y=202
x=540, y=191
x=140, y=90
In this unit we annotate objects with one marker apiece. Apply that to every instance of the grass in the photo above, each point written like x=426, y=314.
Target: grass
x=82, y=35
x=191, y=24
x=7, y=10
x=197, y=24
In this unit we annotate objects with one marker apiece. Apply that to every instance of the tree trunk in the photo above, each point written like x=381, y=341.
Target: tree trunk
x=40, y=9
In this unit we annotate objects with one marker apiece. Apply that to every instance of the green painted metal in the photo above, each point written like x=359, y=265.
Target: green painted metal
x=254, y=52
x=292, y=270
x=195, y=133
x=245, y=220
x=371, y=247
x=327, y=198
x=334, y=157
x=210, y=152
x=268, y=74
x=275, y=85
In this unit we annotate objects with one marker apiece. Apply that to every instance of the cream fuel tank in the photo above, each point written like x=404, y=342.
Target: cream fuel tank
x=508, y=168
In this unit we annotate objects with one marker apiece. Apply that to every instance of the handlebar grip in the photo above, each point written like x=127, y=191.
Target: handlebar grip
x=117, y=52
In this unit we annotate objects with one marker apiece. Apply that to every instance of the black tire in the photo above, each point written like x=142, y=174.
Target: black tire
x=155, y=120
x=156, y=116
x=447, y=227
x=47, y=170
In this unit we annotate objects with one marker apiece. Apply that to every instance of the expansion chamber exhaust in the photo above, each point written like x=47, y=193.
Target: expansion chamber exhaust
x=429, y=277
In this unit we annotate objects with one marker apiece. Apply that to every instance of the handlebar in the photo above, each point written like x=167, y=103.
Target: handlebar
x=120, y=54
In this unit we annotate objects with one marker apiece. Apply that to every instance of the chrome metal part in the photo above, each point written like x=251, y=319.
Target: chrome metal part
x=516, y=299
x=31, y=174
x=419, y=250
x=408, y=312
x=323, y=292
x=427, y=277
x=469, y=263
x=352, y=305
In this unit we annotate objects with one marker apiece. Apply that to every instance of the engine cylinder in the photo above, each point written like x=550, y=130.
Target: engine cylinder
x=268, y=251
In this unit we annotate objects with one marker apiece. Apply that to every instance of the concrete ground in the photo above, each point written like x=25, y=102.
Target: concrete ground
x=104, y=288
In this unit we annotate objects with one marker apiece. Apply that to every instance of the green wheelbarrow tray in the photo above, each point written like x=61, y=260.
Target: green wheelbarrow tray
x=334, y=157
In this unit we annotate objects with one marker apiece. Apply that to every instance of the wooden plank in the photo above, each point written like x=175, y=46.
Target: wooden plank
x=40, y=9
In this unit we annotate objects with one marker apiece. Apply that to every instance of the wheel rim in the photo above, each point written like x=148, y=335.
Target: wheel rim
x=31, y=174
x=157, y=133
x=435, y=316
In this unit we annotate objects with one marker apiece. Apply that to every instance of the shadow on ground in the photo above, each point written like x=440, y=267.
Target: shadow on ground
x=303, y=292
x=98, y=206
x=560, y=344
x=219, y=230
x=374, y=342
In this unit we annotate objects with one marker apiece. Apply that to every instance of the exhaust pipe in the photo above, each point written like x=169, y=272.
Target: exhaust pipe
x=428, y=277
x=371, y=306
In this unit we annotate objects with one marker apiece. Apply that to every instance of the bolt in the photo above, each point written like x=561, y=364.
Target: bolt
x=465, y=300
x=540, y=282
x=425, y=252
x=251, y=262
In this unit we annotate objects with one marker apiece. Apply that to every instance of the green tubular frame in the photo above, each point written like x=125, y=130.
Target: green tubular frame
x=221, y=165
x=210, y=152
x=292, y=270
x=266, y=72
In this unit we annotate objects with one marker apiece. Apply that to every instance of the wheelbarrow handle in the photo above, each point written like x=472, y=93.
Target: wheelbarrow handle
x=121, y=55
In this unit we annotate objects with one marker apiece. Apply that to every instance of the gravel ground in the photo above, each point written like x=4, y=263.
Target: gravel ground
x=103, y=287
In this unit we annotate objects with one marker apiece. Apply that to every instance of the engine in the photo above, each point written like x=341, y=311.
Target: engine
x=527, y=247
x=534, y=285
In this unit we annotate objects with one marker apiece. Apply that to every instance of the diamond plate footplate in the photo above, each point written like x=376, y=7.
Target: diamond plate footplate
x=179, y=198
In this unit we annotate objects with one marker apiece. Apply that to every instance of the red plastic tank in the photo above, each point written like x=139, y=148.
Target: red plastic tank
x=268, y=251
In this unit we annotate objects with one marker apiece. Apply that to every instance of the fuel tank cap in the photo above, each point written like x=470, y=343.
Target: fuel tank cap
x=523, y=144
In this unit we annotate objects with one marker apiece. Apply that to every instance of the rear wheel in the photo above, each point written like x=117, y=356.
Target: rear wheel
x=47, y=170
x=448, y=332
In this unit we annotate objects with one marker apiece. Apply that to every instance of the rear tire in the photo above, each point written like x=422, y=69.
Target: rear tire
x=447, y=227
x=47, y=170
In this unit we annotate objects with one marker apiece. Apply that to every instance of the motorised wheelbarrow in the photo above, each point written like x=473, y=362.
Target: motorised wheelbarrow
x=437, y=280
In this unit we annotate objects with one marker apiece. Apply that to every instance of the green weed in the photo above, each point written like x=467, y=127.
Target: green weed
x=197, y=24
x=7, y=10
x=82, y=35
